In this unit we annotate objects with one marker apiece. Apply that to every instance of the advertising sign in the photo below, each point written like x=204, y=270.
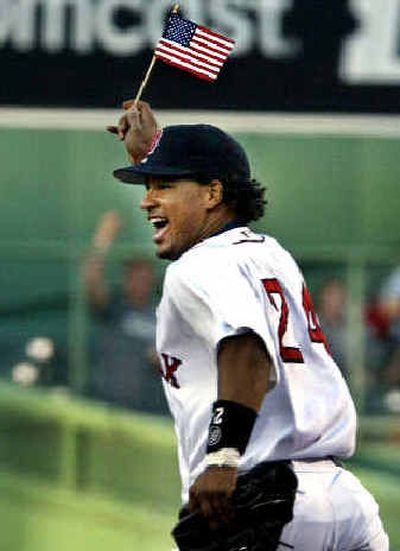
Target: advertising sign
x=295, y=55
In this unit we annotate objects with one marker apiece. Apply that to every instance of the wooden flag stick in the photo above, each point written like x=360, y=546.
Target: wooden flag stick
x=146, y=79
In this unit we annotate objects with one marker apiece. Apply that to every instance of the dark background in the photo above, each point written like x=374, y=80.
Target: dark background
x=307, y=82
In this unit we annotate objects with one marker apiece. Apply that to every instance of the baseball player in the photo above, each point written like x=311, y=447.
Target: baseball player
x=262, y=412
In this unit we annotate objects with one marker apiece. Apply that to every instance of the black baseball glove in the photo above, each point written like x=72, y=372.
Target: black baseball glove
x=263, y=504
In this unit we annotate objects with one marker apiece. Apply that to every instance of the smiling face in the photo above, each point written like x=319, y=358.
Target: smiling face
x=183, y=213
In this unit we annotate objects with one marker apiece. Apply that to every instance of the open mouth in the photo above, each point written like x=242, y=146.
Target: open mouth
x=160, y=225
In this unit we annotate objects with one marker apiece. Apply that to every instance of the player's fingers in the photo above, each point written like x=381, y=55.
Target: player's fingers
x=216, y=511
x=112, y=129
x=143, y=105
x=127, y=104
x=221, y=507
x=207, y=508
x=133, y=118
x=194, y=504
x=147, y=117
x=123, y=127
x=225, y=511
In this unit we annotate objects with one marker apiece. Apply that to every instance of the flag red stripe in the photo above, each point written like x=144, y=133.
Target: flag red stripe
x=191, y=61
x=190, y=51
x=206, y=44
x=206, y=40
x=188, y=59
x=207, y=30
x=210, y=40
x=187, y=68
x=201, y=49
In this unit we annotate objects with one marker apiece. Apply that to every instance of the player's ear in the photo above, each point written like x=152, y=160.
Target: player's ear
x=215, y=193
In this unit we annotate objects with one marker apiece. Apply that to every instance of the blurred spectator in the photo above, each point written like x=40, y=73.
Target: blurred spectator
x=332, y=313
x=389, y=307
x=332, y=308
x=124, y=365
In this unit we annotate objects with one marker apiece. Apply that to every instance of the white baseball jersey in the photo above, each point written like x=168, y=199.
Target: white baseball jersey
x=235, y=282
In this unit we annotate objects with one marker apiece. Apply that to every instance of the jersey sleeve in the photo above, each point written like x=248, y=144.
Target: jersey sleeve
x=219, y=301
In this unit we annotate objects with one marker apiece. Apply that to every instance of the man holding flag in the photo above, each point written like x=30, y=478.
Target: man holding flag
x=262, y=412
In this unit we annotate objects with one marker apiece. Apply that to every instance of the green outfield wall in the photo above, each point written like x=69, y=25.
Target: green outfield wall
x=75, y=475
x=78, y=475
x=324, y=191
x=334, y=201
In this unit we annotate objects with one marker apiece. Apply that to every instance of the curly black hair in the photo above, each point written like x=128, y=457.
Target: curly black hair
x=246, y=197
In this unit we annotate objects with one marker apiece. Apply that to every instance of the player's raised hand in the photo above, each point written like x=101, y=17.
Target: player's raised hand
x=136, y=128
x=212, y=493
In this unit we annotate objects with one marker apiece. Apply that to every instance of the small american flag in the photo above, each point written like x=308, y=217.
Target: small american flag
x=193, y=48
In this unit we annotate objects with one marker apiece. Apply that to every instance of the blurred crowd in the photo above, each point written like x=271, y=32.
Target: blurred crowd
x=123, y=367
x=381, y=319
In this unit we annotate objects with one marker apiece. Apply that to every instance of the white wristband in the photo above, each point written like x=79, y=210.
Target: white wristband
x=225, y=457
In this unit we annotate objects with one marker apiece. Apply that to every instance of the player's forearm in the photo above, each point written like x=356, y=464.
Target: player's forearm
x=243, y=370
x=243, y=374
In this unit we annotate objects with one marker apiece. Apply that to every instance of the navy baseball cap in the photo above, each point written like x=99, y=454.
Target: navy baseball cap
x=191, y=150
